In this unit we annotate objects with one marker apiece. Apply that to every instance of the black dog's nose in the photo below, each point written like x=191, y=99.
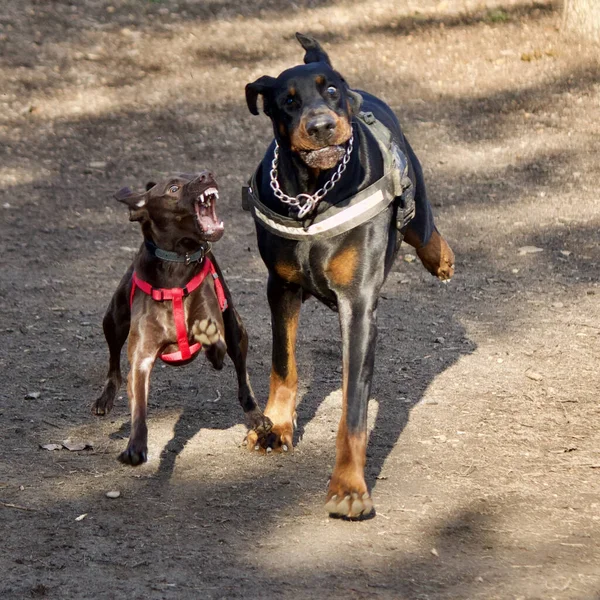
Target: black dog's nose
x=321, y=125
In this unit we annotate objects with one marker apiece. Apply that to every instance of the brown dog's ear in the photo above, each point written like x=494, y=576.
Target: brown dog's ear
x=314, y=52
x=135, y=202
x=263, y=86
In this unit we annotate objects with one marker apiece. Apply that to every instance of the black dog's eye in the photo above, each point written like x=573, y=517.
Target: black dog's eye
x=290, y=100
x=173, y=189
x=332, y=91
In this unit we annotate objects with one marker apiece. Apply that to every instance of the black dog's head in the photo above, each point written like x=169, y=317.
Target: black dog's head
x=311, y=107
x=177, y=208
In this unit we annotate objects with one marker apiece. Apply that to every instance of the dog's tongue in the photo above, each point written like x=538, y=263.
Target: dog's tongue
x=207, y=219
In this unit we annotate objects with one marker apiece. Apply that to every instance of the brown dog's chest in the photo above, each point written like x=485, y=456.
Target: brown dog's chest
x=154, y=323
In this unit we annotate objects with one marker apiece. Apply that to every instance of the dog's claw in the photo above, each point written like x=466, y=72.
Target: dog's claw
x=352, y=506
x=257, y=447
x=285, y=447
x=269, y=449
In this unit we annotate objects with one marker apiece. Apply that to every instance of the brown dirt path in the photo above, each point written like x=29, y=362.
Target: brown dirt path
x=484, y=459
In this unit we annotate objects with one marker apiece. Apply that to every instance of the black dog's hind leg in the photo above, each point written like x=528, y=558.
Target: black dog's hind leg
x=422, y=234
x=116, y=329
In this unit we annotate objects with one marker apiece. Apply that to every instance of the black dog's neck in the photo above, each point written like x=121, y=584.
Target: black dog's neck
x=295, y=177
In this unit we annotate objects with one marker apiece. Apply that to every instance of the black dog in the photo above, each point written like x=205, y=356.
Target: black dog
x=172, y=294
x=325, y=159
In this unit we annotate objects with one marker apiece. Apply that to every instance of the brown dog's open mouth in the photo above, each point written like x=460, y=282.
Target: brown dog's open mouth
x=210, y=226
x=323, y=158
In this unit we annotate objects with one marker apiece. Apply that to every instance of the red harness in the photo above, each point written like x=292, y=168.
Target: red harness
x=176, y=295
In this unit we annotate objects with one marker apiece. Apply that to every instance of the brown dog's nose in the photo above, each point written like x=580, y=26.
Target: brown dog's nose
x=205, y=176
x=321, y=126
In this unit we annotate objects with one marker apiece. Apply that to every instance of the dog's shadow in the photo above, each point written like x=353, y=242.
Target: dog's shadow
x=418, y=340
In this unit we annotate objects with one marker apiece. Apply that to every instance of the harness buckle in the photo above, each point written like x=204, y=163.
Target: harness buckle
x=158, y=294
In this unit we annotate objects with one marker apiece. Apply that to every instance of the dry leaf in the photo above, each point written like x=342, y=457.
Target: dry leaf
x=76, y=446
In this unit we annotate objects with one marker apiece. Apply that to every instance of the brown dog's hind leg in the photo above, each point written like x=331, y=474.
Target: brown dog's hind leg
x=437, y=257
x=116, y=329
x=285, y=301
x=237, y=348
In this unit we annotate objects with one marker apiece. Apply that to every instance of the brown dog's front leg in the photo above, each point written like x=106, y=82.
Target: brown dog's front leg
x=348, y=495
x=138, y=383
x=285, y=300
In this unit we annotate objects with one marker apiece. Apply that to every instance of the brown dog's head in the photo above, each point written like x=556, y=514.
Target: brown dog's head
x=180, y=207
x=311, y=107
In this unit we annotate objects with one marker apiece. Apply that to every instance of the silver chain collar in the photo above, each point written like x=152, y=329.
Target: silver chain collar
x=305, y=203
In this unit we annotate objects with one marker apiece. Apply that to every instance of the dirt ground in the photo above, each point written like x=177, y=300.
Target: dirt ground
x=484, y=455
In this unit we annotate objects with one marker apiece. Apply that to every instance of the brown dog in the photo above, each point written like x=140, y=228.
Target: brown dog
x=173, y=300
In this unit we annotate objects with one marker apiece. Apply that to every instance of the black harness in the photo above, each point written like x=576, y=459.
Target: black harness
x=394, y=185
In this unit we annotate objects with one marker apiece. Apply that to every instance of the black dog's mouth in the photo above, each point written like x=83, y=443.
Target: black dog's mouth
x=206, y=214
x=323, y=158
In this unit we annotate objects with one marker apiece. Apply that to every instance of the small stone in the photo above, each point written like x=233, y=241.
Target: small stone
x=566, y=252
x=440, y=340
x=33, y=395
x=529, y=250
x=409, y=258
x=534, y=375
x=434, y=552
x=113, y=494
x=98, y=164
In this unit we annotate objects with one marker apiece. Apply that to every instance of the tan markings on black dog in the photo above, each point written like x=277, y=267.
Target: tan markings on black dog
x=300, y=140
x=288, y=272
x=320, y=80
x=437, y=257
x=281, y=405
x=342, y=266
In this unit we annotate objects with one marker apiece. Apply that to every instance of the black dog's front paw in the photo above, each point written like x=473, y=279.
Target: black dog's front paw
x=134, y=455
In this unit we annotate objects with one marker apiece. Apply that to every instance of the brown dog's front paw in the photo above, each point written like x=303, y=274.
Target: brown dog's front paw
x=277, y=438
x=206, y=332
x=350, y=500
x=133, y=455
x=104, y=404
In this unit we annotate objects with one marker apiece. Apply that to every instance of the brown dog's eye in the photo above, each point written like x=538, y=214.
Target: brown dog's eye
x=173, y=189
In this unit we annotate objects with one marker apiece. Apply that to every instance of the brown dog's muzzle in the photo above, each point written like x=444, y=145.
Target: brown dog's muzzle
x=201, y=194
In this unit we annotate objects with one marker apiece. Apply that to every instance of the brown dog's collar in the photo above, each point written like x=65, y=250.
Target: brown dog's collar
x=169, y=256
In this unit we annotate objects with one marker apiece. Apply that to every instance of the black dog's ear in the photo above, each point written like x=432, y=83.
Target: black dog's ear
x=150, y=185
x=355, y=100
x=135, y=202
x=263, y=86
x=314, y=52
